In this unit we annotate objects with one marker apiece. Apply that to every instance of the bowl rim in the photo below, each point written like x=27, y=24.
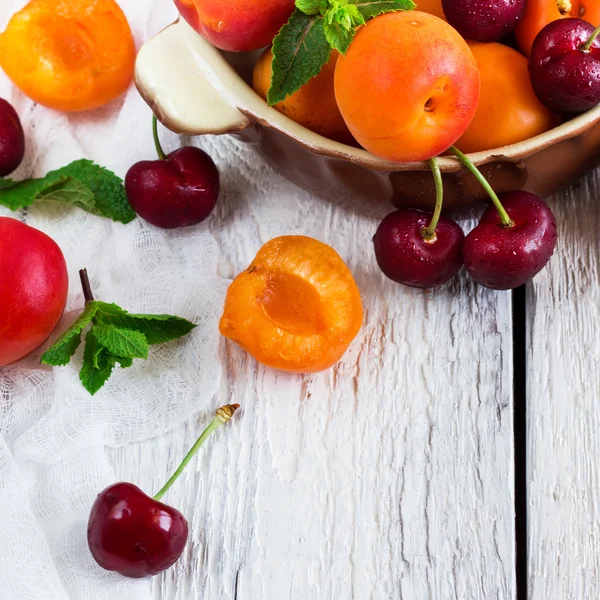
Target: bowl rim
x=237, y=93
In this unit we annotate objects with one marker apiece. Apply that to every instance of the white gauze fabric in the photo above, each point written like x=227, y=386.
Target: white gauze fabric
x=52, y=433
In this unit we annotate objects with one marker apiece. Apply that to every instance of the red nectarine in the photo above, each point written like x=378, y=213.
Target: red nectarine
x=236, y=25
x=33, y=288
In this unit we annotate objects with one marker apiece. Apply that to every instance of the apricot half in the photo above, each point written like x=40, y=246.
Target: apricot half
x=408, y=86
x=296, y=307
x=70, y=55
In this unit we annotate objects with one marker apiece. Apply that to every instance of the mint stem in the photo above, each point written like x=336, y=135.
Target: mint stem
x=466, y=161
x=223, y=415
x=428, y=233
x=159, y=150
x=85, y=284
x=586, y=47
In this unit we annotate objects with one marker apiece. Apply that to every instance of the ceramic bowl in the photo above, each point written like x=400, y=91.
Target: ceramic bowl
x=196, y=89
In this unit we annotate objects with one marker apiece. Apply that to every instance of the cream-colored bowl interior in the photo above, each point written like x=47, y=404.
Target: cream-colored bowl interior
x=195, y=89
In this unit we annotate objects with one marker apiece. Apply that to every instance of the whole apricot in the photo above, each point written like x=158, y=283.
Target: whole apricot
x=538, y=13
x=313, y=105
x=508, y=110
x=70, y=55
x=236, y=25
x=408, y=86
x=33, y=288
x=433, y=7
x=296, y=307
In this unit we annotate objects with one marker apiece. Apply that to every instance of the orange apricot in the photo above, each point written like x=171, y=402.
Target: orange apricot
x=408, y=86
x=538, y=13
x=295, y=308
x=433, y=7
x=508, y=110
x=236, y=25
x=70, y=55
x=313, y=105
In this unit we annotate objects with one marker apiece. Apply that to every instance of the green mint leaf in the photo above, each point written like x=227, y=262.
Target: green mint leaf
x=25, y=193
x=81, y=183
x=124, y=361
x=340, y=23
x=309, y=7
x=59, y=354
x=110, y=309
x=5, y=184
x=157, y=329
x=70, y=191
x=373, y=8
x=116, y=337
x=98, y=365
x=122, y=342
x=109, y=192
x=300, y=50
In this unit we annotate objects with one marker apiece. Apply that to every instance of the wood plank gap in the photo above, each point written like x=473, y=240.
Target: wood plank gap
x=520, y=434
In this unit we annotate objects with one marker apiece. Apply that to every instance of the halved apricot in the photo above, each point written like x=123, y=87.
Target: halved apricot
x=295, y=308
x=70, y=55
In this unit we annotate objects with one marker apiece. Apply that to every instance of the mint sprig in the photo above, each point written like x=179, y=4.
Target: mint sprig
x=82, y=183
x=303, y=45
x=300, y=50
x=114, y=337
x=340, y=23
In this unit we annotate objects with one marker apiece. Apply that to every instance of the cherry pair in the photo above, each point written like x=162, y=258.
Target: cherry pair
x=513, y=241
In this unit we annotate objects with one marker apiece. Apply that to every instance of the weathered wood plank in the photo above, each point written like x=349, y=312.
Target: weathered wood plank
x=563, y=393
x=390, y=476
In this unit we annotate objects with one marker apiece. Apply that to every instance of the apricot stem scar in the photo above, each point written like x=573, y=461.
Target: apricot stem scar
x=564, y=6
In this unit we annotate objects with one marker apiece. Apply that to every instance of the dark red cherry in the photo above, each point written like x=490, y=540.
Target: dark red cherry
x=405, y=256
x=565, y=77
x=12, y=139
x=484, y=20
x=133, y=534
x=503, y=258
x=178, y=191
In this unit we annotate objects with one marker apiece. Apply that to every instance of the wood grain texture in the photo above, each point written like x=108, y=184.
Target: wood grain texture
x=563, y=393
x=388, y=477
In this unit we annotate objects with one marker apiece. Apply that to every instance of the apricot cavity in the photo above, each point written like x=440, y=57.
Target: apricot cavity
x=296, y=307
x=70, y=55
x=408, y=86
x=313, y=105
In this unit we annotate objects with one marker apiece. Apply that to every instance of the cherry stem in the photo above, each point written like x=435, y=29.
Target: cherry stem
x=428, y=233
x=159, y=150
x=586, y=47
x=223, y=415
x=466, y=161
x=85, y=284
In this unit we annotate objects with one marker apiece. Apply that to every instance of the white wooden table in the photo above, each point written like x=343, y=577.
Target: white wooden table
x=393, y=475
